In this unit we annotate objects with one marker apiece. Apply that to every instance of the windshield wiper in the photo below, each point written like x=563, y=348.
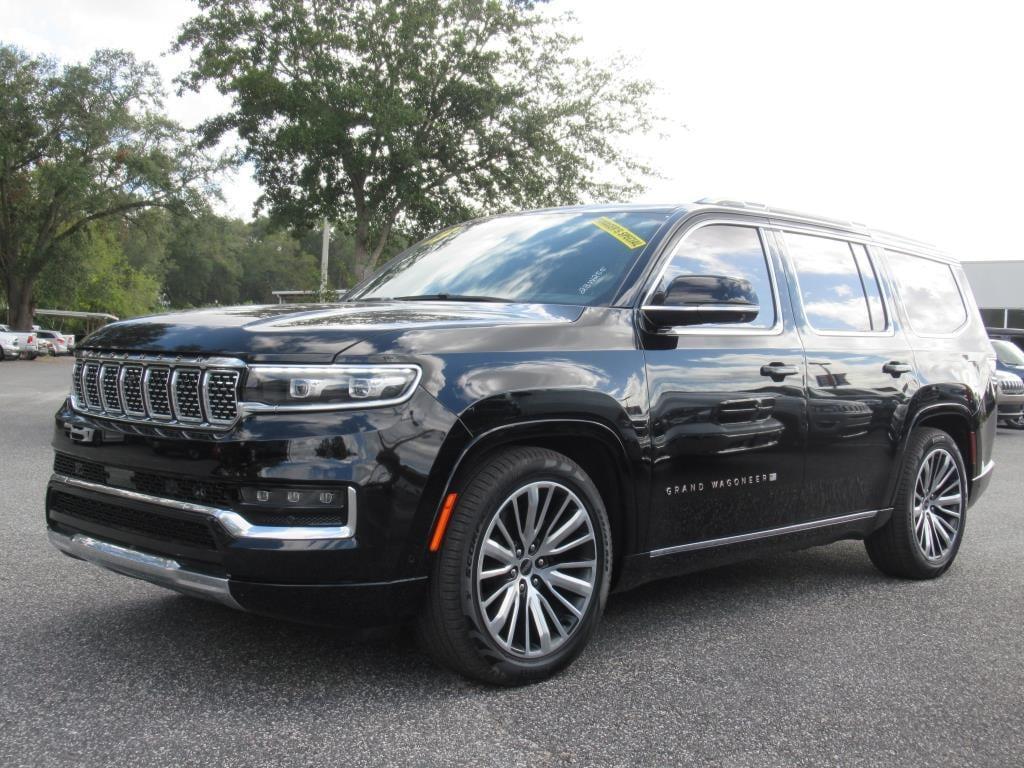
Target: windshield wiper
x=450, y=297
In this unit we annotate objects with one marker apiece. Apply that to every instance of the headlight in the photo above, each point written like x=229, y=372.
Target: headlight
x=328, y=387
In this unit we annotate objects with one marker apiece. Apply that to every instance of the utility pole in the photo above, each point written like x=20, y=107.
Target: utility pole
x=324, y=248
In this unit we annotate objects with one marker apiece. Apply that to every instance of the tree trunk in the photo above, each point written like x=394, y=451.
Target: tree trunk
x=19, y=302
x=362, y=256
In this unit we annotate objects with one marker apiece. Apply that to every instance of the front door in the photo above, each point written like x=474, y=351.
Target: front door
x=728, y=404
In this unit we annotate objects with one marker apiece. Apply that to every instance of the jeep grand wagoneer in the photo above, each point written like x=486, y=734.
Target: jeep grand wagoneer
x=522, y=413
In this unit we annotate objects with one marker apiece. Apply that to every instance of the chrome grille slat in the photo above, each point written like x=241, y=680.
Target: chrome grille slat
x=185, y=394
x=131, y=390
x=220, y=396
x=158, y=400
x=110, y=394
x=91, y=384
x=76, y=384
x=192, y=392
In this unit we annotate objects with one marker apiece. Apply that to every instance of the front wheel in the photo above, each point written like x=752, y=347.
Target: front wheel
x=923, y=536
x=522, y=577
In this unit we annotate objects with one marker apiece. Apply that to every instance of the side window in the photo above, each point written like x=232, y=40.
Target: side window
x=929, y=292
x=726, y=250
x=838, y=285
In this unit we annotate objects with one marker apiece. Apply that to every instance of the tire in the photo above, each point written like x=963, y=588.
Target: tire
x=922, y=542
x=462, y=626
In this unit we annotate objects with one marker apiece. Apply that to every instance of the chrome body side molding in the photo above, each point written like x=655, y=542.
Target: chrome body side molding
x=768, y=533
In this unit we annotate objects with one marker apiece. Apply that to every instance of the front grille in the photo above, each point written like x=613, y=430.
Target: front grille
x=311, y=518
x=76, y=382
x=221, y=395
x=134, y=404
x=91, y=384
x=185, y=383
x=111, y=395
x=1011, y=386
x=85, y=470
x=209, y=492
x=199, y=491
x=150, y=524
x=192, y=392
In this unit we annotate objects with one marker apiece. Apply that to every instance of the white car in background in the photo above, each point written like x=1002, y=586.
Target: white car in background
x=10, y=347
x=27, y=342
x=58, y=341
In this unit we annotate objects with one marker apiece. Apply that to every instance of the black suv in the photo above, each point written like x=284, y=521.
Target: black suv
x=521, y=413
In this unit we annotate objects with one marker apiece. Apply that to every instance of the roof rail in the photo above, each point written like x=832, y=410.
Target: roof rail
x=762, y=208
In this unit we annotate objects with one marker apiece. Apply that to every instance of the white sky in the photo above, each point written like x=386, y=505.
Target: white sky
x=904, y=115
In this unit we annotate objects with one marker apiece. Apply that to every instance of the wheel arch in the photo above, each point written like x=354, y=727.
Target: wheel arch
x=595, y=446
x=955, y=419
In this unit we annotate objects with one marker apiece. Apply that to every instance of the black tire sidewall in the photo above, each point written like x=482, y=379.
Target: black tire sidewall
x=571, y=476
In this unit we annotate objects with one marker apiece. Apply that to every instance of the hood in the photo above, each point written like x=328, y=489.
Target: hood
x=308, y=332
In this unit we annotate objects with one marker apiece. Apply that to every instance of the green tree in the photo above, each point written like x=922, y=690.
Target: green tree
x=81, y=144
x=412, y=113
x=99, y=276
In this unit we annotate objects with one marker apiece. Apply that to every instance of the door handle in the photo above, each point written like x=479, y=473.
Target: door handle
x=896, y=369
x=779, y=371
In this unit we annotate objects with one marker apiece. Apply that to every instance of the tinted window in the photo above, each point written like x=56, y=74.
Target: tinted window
x=838, y=285
x=557, y=257
x=929, y=293
x=726, y=250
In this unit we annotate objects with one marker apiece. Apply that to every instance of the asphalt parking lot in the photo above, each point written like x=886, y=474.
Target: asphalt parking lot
x=806, y=659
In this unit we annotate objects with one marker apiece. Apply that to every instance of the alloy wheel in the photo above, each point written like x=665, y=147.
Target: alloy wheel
x=939, y=498
x=536, y=571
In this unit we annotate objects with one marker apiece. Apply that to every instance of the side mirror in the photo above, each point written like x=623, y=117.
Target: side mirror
x=698, y=299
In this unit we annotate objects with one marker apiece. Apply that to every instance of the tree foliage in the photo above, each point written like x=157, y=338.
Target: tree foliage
x=81, y=144
x=414, y=113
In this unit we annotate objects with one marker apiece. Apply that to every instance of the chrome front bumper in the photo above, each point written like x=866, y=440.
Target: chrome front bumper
x=140, y=565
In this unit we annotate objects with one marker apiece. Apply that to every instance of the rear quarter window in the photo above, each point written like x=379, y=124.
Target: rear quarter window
x=930, y=294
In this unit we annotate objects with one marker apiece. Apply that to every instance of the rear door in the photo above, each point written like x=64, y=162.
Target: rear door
x=860, y=372
x=728, y=404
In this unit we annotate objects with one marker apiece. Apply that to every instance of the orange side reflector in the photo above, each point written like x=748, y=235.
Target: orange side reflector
x=442, y=521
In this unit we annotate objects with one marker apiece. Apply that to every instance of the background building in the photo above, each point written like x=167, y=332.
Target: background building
x=999, y=290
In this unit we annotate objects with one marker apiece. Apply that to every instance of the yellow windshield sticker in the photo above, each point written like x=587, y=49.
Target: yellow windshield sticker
x=443, y=235
x=629, y=239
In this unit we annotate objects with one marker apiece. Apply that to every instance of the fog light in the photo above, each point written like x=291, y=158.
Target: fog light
x=293, y=498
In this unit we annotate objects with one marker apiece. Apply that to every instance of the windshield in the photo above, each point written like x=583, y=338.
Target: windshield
x=1008, y=352
x=572, y=257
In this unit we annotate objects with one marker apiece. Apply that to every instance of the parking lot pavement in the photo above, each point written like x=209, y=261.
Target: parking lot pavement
x=805, y=659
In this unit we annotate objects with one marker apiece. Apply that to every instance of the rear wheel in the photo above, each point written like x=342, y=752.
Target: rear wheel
x=522, y=577
x=923, y=536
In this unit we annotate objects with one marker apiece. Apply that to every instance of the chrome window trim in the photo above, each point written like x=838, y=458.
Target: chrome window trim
x=718, y=329
x=768, y=533
x=890, y=329
x=234, y=524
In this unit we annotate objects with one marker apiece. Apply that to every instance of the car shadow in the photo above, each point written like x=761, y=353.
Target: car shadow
x=183, y=643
